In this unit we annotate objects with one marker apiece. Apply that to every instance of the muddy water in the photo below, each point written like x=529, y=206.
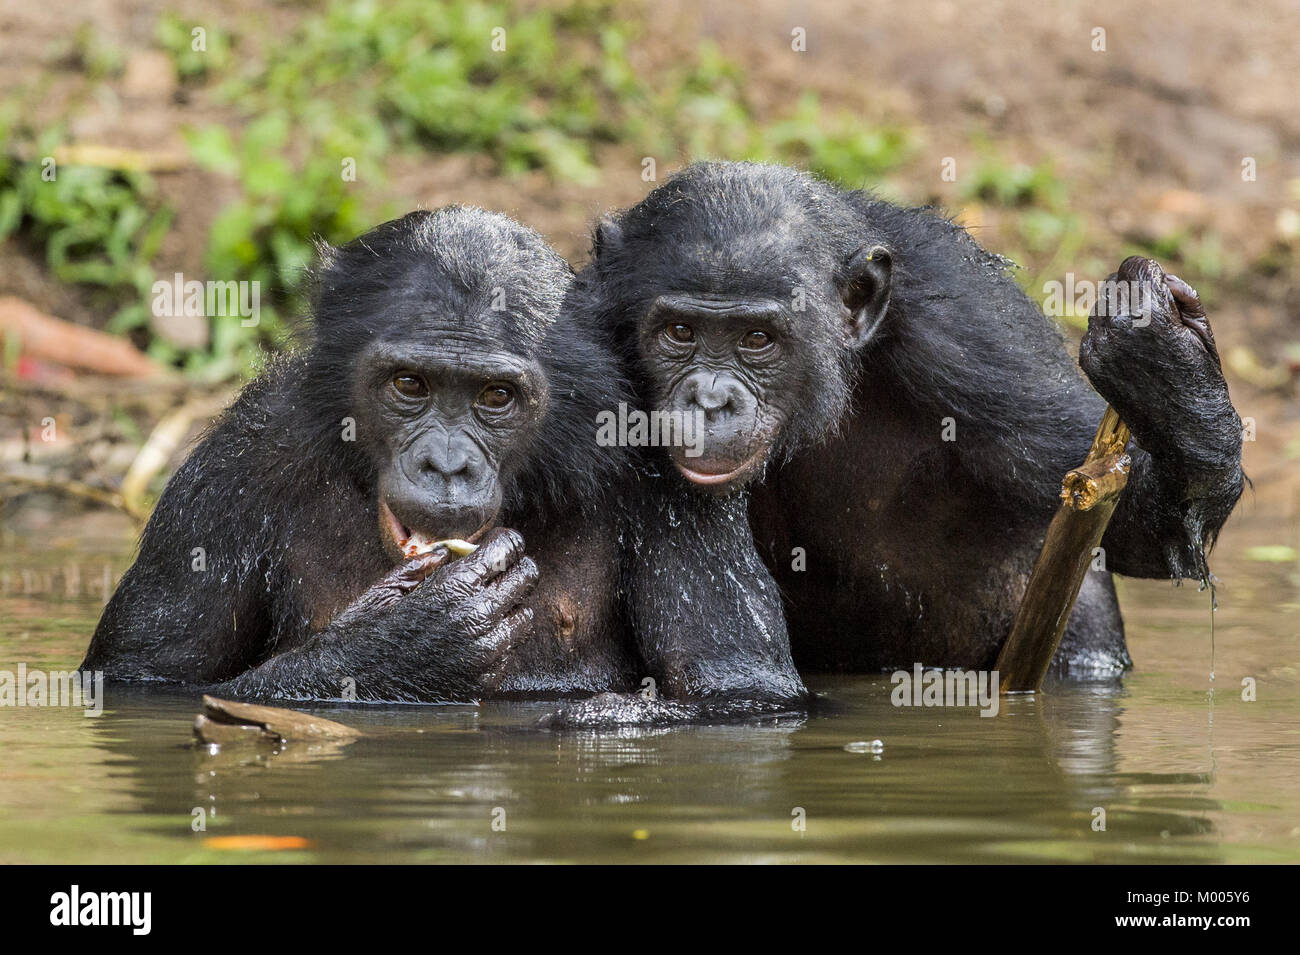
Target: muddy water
x=1183, y=767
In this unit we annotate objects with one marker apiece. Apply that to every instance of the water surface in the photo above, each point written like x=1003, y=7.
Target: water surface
x=1185, y=769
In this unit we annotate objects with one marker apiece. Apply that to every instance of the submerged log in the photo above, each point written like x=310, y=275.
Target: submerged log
x=225, y=721
x=1089, y=494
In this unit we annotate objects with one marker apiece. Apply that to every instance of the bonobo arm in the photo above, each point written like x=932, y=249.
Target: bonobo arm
x=704, y=610
x=1150, y=352
x=984, y=353
x=705, y=613
x=192, y=608
x=427, y=632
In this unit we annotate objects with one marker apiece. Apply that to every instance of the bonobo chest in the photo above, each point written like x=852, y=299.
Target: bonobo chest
x=578, y=644
x=886, y=479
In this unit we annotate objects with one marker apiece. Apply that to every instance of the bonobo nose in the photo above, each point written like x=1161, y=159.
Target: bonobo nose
x=448, y=457
x=711, y=394
x=447, y=465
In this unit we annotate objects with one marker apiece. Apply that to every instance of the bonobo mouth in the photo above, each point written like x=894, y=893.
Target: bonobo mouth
x=707, y=475
x=411, y=542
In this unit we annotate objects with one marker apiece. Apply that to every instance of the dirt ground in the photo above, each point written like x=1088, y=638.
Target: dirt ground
x=1150, y=133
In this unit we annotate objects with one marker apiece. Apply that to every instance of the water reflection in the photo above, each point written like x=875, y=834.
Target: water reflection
x=464, y=782
x=1182, y=774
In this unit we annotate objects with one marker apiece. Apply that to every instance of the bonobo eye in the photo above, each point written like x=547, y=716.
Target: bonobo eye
x=496, y=397
x=680, y=333
x=410, y=386
x=756, y=340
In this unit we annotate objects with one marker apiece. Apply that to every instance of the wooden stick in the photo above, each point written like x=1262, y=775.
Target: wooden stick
x=75, y=489
x=1089, y=494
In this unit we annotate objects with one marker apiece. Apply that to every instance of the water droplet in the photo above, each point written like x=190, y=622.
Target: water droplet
x=862, y=746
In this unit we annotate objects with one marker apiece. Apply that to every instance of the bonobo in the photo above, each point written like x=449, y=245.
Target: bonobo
x=444, y=396
x=904, y=413
x=716, y=635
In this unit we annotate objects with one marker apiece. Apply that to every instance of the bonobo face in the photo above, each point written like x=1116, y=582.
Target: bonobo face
x=721, y=363
x=439, y=335
x=752, y=302
x=449, y=417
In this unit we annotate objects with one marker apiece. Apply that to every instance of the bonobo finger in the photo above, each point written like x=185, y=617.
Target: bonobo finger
x=505, y=637
x=410, y=572
x=1108, y=303
x=406, y=576
x=500, y=550
x=1138, y=269
x=1189, y=302
x=1141, y=293
x=515, y=584
x=398, y=582
x=1192, y=314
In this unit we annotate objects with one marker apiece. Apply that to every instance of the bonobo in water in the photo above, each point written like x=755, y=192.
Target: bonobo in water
x=447, y=394
x=443, y=396
x=904, y=413
x=717, y=633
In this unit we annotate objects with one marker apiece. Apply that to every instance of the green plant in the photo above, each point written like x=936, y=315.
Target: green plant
x=265, y=236
x=1015, y=184
x=838, y=147
x=456, y=76
x=179, y=38
x=97, y=227
x=88, y=50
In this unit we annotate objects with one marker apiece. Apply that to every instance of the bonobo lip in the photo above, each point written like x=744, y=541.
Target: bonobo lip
x=413, y=543
x=717, y=478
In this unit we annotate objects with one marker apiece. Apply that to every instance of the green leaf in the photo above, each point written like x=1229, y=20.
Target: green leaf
x=213, y=148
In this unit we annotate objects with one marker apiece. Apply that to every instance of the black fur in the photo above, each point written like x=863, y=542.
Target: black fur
x=918, y=549
x=300, y=598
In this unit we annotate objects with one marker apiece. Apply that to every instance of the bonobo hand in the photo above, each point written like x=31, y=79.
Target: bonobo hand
x=395, y=584
x=431, y=630
x=1150, y=352
x=466, y=616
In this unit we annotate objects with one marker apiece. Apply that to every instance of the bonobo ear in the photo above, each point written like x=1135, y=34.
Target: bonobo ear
x=864, y=287
x=607, y=237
